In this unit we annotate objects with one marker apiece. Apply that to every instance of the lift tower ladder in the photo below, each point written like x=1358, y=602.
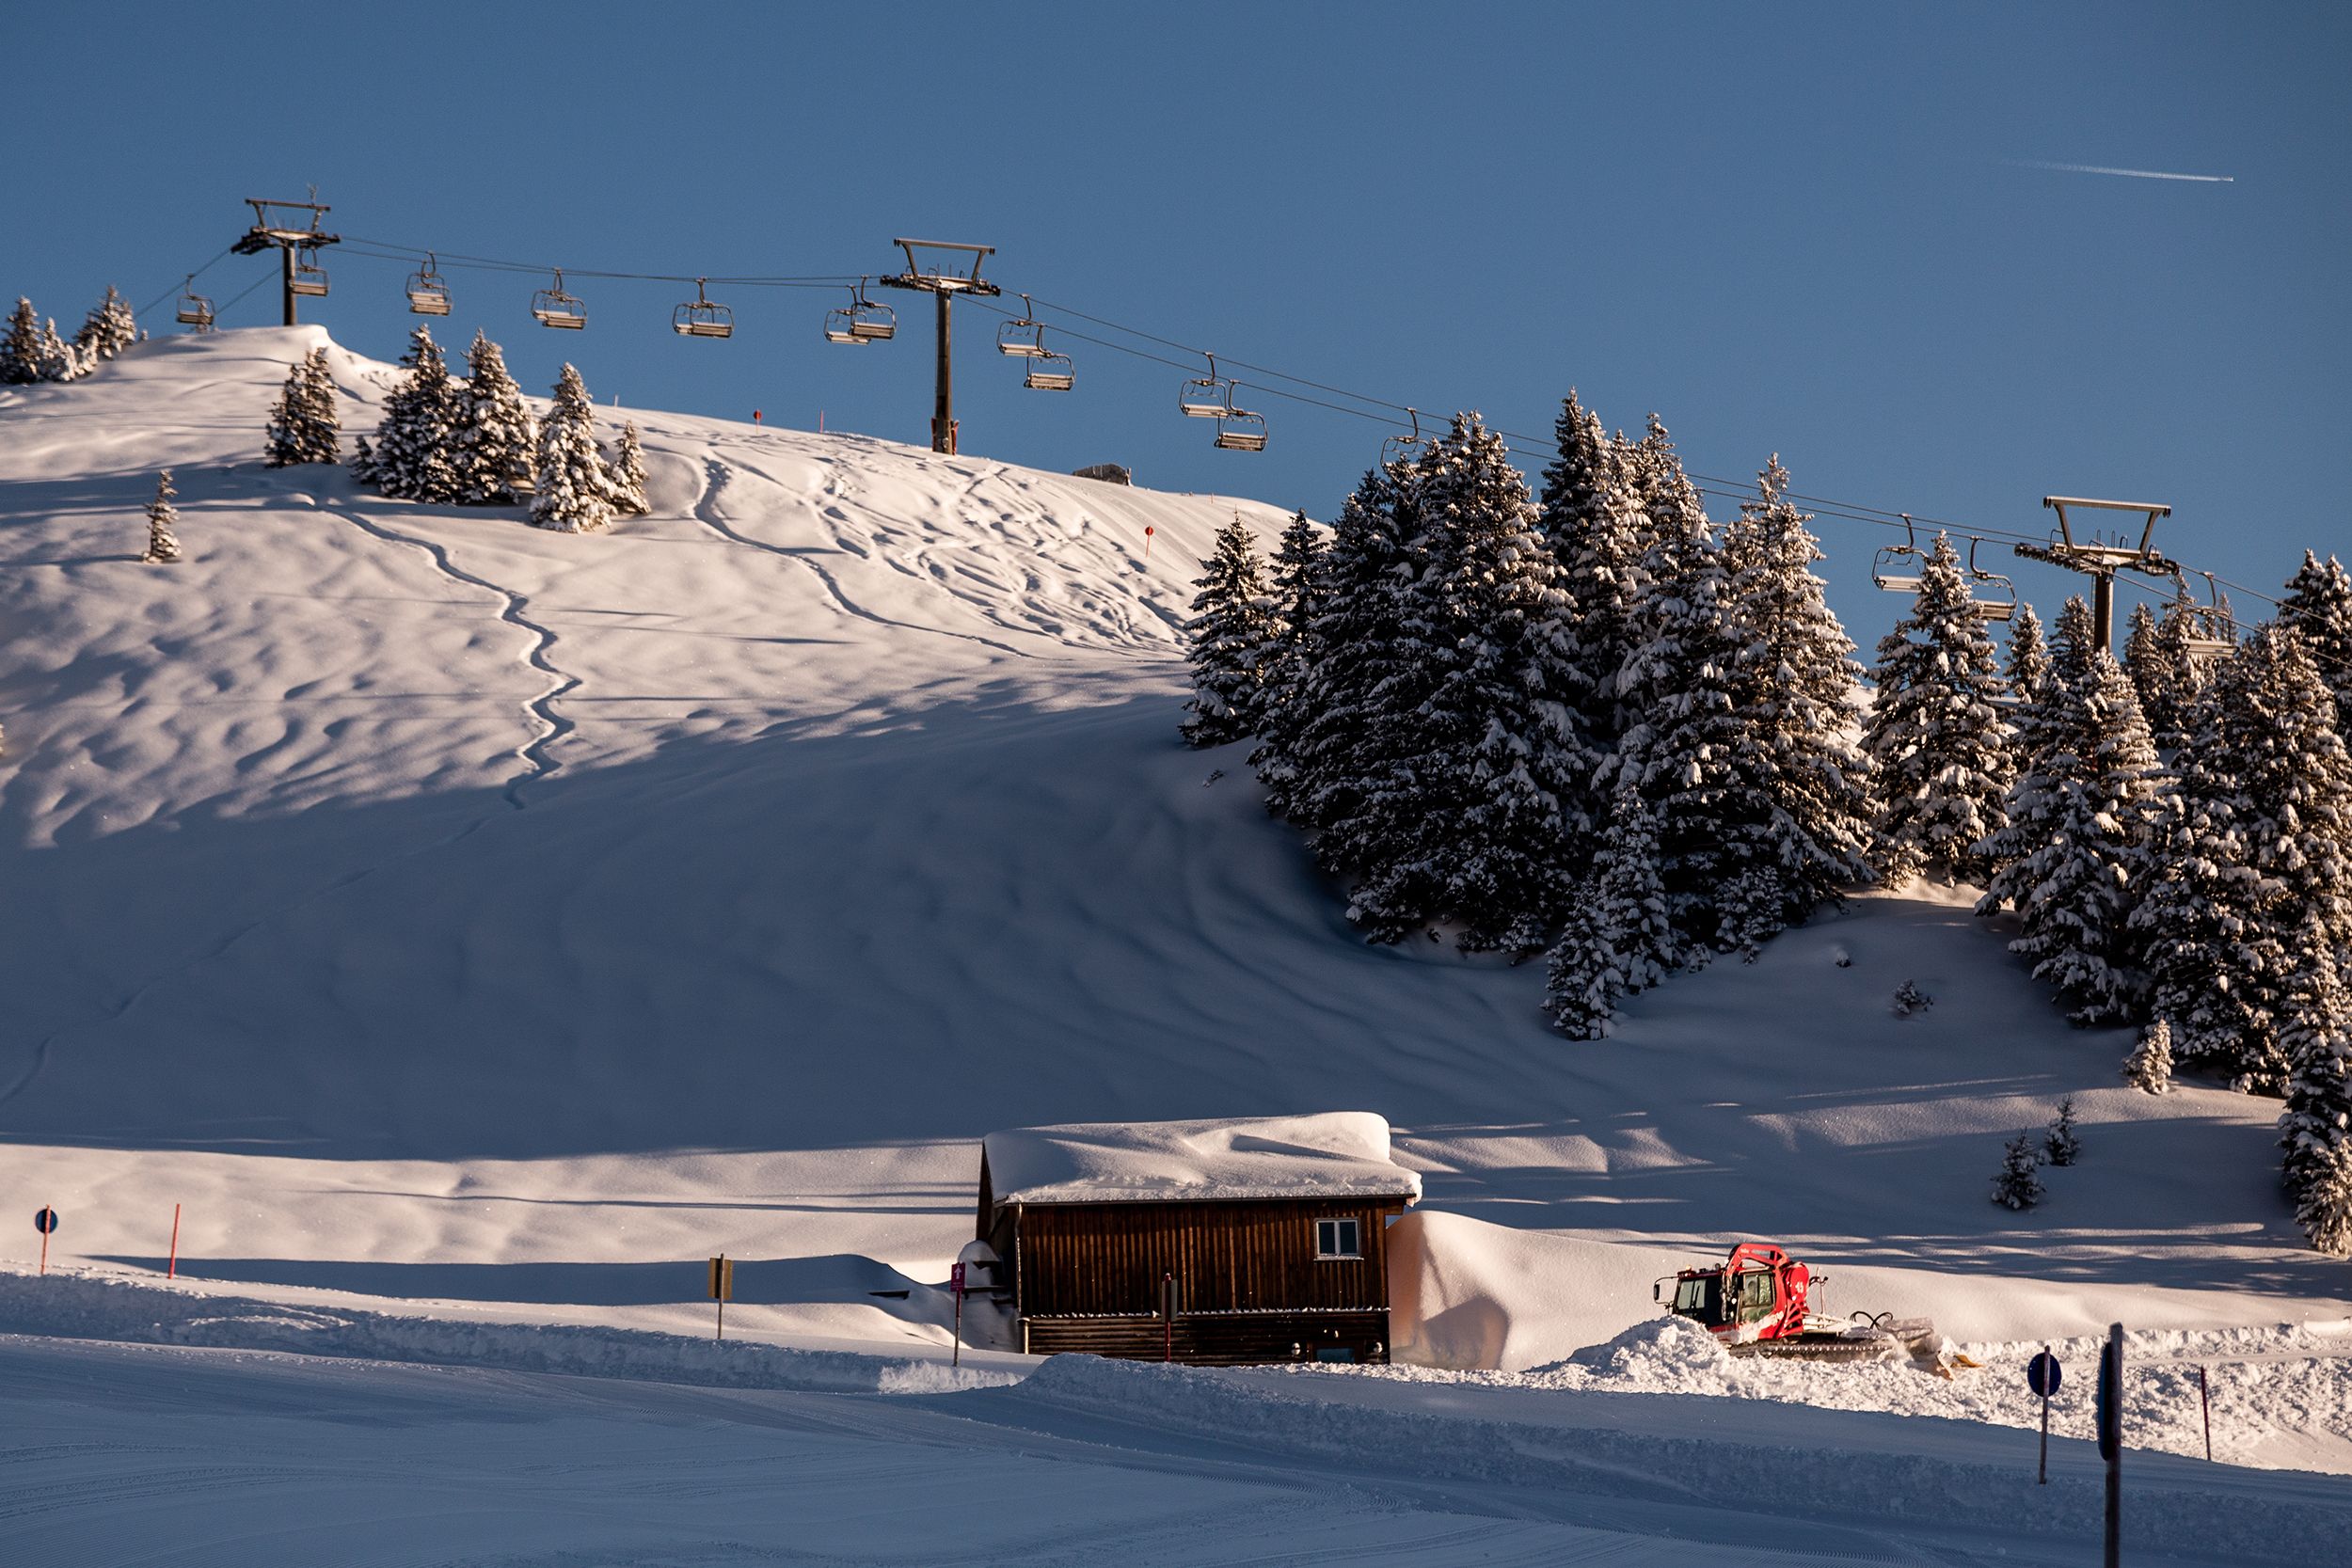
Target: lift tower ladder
x=2099, y=560
x=268, y=230
x=943, y=270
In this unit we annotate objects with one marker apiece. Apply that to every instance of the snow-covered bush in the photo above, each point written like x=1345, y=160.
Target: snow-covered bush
x=1910, y=999
x=2149, y=1068
x=107, y=330
x=2019, y=1184
x=162, y=541
x=2062, y=1145
x=302, y=424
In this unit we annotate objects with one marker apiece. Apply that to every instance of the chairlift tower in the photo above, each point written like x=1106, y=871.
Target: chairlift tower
x=2100, y=558
x=944, y=270
x=266, y=232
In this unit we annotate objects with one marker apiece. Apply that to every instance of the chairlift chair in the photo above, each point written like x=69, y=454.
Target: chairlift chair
x=1887, y=569
x=1207, y=396
x=1239, y=430
x=1997, y=601
x=1023, y=339
x=309, y=279
x=553, y=308
x=1396, y=449
x=427, y=294
x=2211, y=629
x=194, y=309
x=861, y=321
x=700, y=318
x=1050, y=372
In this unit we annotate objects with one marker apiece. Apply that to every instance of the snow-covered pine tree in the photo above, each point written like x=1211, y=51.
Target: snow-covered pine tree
x=2318, y=605
x=1317, y=763
x=1936, y=733
x=415, y=457
x=2062, y=1145
x=2316, y=1036
x=162, y=541
x=1592, y=518
x=1617, y=937
x=1683, y=732
x=1506, y=762
x=58, y=361
x=302, y=427
x=2178, y=674
x=107, y=330
x=629, y=472
x=2154, y=680
x=2019, y=1184
x=2149, y=1068
x=2259, y=853
x=2077, y=849
x=20, y=351
x=363, y=461
x=1297, y=560
x=2027, y=672
x=575, y=491
x=1793, y=686
x=2325, y=1209
x=1229, y=640
x=497, y=435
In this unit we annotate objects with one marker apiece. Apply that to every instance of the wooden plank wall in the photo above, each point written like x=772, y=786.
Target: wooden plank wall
x=1215, y=1339
x=1109, y=1258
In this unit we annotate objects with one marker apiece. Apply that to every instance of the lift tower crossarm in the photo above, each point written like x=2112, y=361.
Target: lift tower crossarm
x=2100, y=561
x=943, y=285
x=287, y=238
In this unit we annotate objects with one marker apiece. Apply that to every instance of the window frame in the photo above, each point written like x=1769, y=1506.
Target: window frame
x=1354, y=1232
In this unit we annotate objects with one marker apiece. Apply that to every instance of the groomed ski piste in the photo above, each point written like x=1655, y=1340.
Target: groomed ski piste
x=470, y=930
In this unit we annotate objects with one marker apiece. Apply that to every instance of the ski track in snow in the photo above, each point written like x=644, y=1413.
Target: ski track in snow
x=551, y=725
x=716, y=473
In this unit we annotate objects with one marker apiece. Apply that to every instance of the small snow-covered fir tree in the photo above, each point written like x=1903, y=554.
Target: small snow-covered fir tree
x=2078, y=848
x=2155, y=681
x=1935, y=730
x=2316, y=1036
x=1230, y=641
x=2179, y=674
x=2062, y=1145
x=574, y=493
x=2019, y=1184
x=497, y=435
x=162, y=541
x=2259, y=852
x=2324, y=1209
x=363, y=461
x=2025, y=670
x=629, y=472
x=107, y=330
x=1616, y=937
x=302, y=424
x=58, y=359
x=20, y=350
x=2318, y=605
x=416, y=455
x=2149, y=1068
x=1793, y=686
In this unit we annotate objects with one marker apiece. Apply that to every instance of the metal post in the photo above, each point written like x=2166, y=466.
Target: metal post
x=2204, y=1396
x=2103, y=607
x=2114, y=1557
x=2043, y=1477
x=285, y=278
x=944, y=398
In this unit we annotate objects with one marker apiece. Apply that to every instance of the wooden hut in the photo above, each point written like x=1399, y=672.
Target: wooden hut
x=1219, y=1243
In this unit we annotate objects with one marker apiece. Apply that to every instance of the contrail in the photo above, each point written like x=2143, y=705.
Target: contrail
x=2127, y=173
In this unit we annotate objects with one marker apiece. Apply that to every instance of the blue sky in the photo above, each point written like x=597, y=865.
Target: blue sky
x=1792, y=230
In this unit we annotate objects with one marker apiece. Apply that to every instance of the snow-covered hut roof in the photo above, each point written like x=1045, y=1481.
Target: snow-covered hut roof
x=1333, y=1154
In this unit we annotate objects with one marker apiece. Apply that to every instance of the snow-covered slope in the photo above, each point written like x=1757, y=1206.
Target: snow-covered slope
x=437, y=909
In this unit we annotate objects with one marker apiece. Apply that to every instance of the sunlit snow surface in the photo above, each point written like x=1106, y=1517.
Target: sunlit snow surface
x=468, y=923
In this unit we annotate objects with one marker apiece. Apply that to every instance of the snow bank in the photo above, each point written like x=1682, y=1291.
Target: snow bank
x=1821, y=1465
x=1331, y=1154
x=75, y=1305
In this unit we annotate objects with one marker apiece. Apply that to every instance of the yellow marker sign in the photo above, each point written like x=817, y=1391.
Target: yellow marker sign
x=721, y=1278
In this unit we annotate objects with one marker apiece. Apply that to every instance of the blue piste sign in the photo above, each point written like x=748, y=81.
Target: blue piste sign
x=2042, y=1375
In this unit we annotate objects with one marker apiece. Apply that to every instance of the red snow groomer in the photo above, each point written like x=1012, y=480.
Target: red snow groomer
x=1755, y=1304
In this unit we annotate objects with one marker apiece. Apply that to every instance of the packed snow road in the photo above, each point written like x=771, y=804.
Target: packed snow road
x=152, y=1455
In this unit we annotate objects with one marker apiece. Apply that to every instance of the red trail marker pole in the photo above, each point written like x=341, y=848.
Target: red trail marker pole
x=1147, y=544
x=171, y=1270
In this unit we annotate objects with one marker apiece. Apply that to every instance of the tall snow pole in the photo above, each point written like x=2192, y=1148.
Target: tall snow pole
x=944, y=394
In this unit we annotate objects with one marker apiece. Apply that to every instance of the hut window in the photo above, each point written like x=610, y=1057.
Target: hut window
x=1338, y=1239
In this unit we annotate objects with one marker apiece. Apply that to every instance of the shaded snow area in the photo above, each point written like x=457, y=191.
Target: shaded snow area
x=471, y=929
